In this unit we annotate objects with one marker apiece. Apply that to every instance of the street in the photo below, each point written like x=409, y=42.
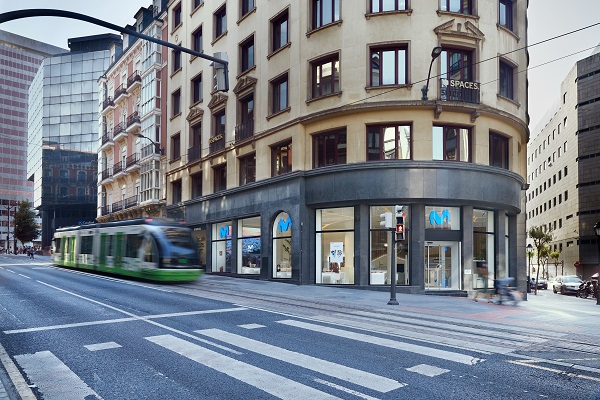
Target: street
x=71, y=335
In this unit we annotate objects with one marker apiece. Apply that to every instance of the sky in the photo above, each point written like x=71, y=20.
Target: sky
x=546, y=19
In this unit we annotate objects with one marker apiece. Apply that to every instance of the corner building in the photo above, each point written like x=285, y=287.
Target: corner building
x=324, y=128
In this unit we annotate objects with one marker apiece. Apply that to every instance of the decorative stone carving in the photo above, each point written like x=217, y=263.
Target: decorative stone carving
x=195, y=113
x=217, y=99
x=244, y=83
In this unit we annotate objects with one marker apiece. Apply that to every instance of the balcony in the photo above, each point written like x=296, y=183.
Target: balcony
x=119, y=132
x=107, y=105
x=132, y=162
x=134, y=81
x=105, y=210
x=107, y=175
x=217, y=142
x=150, y=150
x=244, y=130
x=121, y=92
x=133, y=122
x=118, y=206
x=462, y=91
x=119, y=169
x=107, y=141
x=131, y=202
x=194, y=153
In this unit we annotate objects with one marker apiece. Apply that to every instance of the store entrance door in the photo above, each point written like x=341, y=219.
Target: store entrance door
x=442, y=265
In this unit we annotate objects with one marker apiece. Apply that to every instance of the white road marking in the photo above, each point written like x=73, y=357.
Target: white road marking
x=54, y=379
x=266, y=381
x=11, y=271
x=15, y=376
x=25, y=276
x=393, y=344
x=427, y=370
x=345, y=389
x=558, y=371
x=102, y=346
x=252, y=326
x=118, y=320
x=342, y=372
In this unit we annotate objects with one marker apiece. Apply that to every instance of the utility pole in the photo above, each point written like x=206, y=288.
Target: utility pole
x=8, y=208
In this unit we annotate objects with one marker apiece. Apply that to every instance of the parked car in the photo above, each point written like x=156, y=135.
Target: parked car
x=566, y=284
x=541, y=283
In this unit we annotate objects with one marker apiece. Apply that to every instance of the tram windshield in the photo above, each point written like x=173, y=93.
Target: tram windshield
x=182, y=247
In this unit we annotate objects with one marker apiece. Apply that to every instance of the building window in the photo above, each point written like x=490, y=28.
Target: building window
x=245, y=127
x=282, y=159
x=451, y=143
x=220, y=21
x=196, y=89
x=325, y=76
x=176, y=147
x=248, y=169
x=196, y=185
x=505, y=14
x=177, y=16
x=279, y=26
x=220, y=175
x=506, y=80
x=176, y=60
x=483, y=247
x=388, y=5
x=334, y=246
x=385, y=142
x=197, y=40
x=247, y=52
x=381, y=248
x=498, y=151
x=247, y=6
x=219, y=123
x=388, y=66
x=325, y=12
x=458, y=6
x=329, y=148
x=279, y=89
x=196, y=3
x=176, y=102
x=221, y=247
x=176, y=191
x=249, y=253
x=457, y=65
x=282, y=246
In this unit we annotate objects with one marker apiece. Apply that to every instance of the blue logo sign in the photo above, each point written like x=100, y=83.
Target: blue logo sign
x=439, y=219
x=224, y=232
x=284, y=225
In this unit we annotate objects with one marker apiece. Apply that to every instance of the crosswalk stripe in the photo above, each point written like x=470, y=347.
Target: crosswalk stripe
x=427, y=370
x=54, y=379
x=413, y=348
x=269, y=382
x=342, y=372
x=345, y=389
x=102, y=346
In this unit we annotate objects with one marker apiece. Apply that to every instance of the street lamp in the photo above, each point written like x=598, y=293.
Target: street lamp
x=435, y=53
x=529, y=254
x=597, y=232
x=156, y=145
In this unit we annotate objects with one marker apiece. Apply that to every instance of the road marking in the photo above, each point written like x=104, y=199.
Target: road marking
x=251, y=326
x=102, y=346
x=528, y=363
x=11, y=271
x=344, y=389
x=428, y=370
x=15, y=376
x=266, y=381
x=25, y=276
x=118, y=320
x=342, y=372
x=54, y=379
x=393, y=344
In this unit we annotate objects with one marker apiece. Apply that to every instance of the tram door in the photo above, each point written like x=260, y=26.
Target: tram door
x=442, y=265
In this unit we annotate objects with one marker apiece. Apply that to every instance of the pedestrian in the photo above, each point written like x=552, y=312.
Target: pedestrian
x=482, y=271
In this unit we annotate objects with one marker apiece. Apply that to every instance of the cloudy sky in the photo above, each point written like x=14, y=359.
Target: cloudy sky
x=547, y=18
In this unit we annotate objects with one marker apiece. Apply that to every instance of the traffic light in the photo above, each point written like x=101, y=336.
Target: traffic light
x=399, y=228
x=386, y=220
x=398, y=211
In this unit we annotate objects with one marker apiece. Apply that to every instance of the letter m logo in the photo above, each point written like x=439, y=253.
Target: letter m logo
x=284, y=225
x=224, y=232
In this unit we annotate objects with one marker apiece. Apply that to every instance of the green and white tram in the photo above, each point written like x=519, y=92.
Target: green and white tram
x=152, y=249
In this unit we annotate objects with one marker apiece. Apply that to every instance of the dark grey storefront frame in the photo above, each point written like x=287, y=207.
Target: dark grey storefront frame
x=412, y=183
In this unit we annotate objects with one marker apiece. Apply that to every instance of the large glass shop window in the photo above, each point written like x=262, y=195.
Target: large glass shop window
x=483, y=248
x=249, y=245
x=282, y=246
x=335, y=246
x=221, y=247
x=200, y=238
x=381, y=249
x=446, y=218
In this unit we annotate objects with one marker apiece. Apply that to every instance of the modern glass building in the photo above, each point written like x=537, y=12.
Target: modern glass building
x=63, y=133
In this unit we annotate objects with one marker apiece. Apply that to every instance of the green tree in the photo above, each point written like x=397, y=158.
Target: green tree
x=26, y=229
x=555, y=255
x=541, y=237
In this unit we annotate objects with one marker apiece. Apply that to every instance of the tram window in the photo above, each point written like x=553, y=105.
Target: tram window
x=109, y=245
x=86, y=244
x=57, y=248
x=133, y=244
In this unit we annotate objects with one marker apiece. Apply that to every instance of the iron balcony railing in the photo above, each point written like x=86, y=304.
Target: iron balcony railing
x=121, y=89
x=105, y=210
x=131, y=201
x=133, y=118
x=457, y=90
x=108, y=102
x=135, y=77
x=244, y=130
x=118, y=167
x=120, y=127
x=217, y=142
x=194, y=153
x=118, y=206
x=107, y=173
x=132, y=159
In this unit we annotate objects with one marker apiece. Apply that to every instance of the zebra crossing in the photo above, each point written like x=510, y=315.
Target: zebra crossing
x=55, y=380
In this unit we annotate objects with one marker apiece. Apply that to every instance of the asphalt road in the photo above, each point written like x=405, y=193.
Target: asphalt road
x=72, y=335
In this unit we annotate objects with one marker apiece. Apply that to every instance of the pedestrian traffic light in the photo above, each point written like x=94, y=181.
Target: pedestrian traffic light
x=386, y=220
x=398, y=211
x=399, y=228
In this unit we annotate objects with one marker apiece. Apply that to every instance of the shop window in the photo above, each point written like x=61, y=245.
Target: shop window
x=388, y=5
x=325, y=76
x=249, y=251
x=329, y=148
x=325, y=12
x=388, y=142
x=483, y=245
x=388, y=66
x=281, y=156
x=381, y=248
x=498, y=151
x=279, y=31
x=282, y=246
x=221, y=247
x=458, y=6
x=451, y=143
x=335, y=246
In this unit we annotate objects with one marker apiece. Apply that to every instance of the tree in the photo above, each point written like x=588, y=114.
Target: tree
x=555, y=255
x=541, y=237
x=26, y=229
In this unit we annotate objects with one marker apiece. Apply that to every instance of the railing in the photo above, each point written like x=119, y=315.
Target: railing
x=118, y=206
x=244, y=130
x=107, y=173
x=131, y=201
x=194, y=153
x=455, y=90
x=108, y=102
x=121, y=89
x=118, y=167
x=150, y=149
x=120, y=127
x=132, y=160
x=217, y=142
x=133, y=118
x=135, y=77
x=105, y=210
x=107, y=137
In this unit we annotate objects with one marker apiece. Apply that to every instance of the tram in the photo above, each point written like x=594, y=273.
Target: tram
x=152, y=249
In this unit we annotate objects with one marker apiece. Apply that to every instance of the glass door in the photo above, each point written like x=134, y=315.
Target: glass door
x=442, y=265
